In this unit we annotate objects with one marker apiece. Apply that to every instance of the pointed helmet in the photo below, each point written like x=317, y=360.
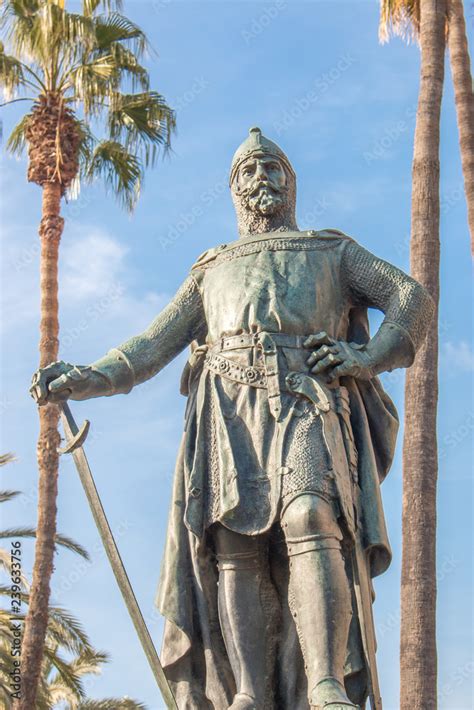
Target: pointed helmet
x=257, y=144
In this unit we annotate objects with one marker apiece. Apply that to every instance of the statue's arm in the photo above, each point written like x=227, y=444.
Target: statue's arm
x=133, y=362
x=370, y=282
x=408, y=308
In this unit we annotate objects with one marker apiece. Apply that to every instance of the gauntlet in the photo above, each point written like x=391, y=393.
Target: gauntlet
x=60, y=380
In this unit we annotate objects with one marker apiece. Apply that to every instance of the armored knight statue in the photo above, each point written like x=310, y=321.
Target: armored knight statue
x=287, y=437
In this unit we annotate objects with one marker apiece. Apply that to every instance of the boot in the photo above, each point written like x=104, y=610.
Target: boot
x=330, y=688
x=320, y=601
x=243, y=623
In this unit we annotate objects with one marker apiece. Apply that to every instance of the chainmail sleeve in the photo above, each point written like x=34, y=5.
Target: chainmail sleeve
x=178, y=324
x=374, y=283
x=144, y=355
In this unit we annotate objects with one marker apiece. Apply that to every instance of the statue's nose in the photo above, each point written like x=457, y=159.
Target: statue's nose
x=261, y=173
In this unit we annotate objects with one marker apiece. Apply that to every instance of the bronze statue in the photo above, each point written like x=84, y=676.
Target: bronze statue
x=276, y=524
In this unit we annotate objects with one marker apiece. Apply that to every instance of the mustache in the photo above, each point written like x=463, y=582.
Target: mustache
x=255, y=188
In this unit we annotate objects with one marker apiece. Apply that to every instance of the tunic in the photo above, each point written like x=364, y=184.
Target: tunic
x=240, y=461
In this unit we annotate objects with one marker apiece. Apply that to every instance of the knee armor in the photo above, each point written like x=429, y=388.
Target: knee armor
x=309, y=523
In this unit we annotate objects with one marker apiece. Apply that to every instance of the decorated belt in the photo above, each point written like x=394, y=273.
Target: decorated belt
x=269, y=376
x=296, y=383
x=254, y=376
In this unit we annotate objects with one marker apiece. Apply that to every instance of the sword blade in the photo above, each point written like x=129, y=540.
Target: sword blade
x=118, y=568
x=366, y=621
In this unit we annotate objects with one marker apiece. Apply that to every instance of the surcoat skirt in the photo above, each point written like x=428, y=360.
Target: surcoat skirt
x=248, y=460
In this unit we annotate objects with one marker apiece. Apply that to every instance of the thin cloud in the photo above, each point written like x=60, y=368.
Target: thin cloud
x=457, y=356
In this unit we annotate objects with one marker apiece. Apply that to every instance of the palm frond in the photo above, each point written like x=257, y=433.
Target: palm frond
x=141, y=122
x=7, y=458
x=85, y=148
x=68, y=631
x=6, y=564
x=49, y=37
x=399, y=17
x=69, y=677
x=88, y=663
x=8, y=495
x=120, y=170
x=12, y=76
x=15, y=11
x=5, y=591
x=89, y=7
x=23, y=29
x=61, y=540
x=111, y=704
x=86, y=141
x=117, y=28
x=16, y=142
x=62, y=635
x=91, y=83
x=128, y=67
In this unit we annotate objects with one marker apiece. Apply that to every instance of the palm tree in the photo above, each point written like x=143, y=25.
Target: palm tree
x=69, y=659
x=78, y=70
x=403, y=17
x=464, y=96
x=61, y=679
x=418, y=659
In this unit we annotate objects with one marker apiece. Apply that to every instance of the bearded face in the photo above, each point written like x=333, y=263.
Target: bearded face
x=262, y=184
x=263, y=196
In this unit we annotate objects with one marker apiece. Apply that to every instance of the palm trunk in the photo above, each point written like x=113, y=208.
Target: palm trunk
x=418, y=658
x=463, y=91
x=50, y=231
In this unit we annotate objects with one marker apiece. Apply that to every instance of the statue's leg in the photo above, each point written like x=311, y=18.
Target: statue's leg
x=242, y=614
x=319, y=596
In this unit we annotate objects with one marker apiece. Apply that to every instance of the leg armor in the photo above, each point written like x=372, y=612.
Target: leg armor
x=246, y=600
x=319, y=596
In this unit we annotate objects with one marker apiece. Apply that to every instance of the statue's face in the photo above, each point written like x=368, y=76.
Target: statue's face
x=262, y=184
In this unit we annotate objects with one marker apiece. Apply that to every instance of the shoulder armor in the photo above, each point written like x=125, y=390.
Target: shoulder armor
x=208, y=256
x=330, y=234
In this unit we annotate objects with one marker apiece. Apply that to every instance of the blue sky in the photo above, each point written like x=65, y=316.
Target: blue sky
x=315, y=78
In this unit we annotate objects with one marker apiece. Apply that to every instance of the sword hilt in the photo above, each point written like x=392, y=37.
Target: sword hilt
x=79, y=435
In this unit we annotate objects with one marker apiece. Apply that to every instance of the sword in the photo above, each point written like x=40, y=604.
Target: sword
x=366, y=620
x=74, y=439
